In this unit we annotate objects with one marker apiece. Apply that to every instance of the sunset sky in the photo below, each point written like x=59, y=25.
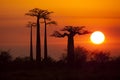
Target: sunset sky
x=102, y=15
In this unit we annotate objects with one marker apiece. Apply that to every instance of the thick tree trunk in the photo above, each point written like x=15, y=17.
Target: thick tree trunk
x=70, y=55
x=31, y=46
x=45, y=41
x=38, y=42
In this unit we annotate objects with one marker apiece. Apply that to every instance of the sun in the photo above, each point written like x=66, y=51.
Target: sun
x=97, y=37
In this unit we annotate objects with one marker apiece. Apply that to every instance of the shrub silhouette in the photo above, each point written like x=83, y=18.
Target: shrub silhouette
x=5, y=57
x=81, y=55
x=49, y=61
x=22, y=60
x=63, y=59
x=100, y=56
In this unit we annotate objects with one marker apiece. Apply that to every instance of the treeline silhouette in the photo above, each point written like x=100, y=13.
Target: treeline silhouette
x=95, y=65
x=81, y=57
x=76, y=64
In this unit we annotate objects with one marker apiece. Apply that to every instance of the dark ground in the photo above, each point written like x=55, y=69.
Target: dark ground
x=109, y=71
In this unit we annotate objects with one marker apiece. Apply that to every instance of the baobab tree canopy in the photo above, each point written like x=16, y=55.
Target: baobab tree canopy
x=71, y=30
x=35, y=12
x=40, y=13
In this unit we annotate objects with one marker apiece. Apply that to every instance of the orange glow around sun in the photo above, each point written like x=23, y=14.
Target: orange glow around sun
x=97, y=37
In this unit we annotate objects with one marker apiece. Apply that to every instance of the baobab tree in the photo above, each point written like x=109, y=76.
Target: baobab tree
x=31, y=25
x=47, y=21
x=45, y=38
x=46, y=17
x=70, y=32
x=36, y=12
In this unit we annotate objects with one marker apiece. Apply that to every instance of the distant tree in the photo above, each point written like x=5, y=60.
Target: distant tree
x=49, y=60
x=31, y=25
x=45, y=38
x=5, y=57
x=100, y=56
x=63, y=58
x=116, y=60
x=47, y=21
x=70, y=32
x=81, y=55
x=38, y=13
x=21, y=60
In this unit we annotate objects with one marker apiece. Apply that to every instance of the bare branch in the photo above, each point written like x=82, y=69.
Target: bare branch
x=46, y=15
x=67, y=28
x=73, y=29
x=83, y=32
x=58, y=34
x=35, y=12
x=31, y=24
x=52, y=22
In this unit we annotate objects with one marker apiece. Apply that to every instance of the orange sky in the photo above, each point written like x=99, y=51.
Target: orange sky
x=103, y=15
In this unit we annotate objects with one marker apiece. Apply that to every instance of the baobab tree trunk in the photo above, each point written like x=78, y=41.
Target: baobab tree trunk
x=70, y=54
x=31, y=46
x=38, y=42
x=45, y=41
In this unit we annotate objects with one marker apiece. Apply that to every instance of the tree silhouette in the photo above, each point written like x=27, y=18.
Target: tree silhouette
x=70, y=32
x=81, y=54
x=100, y=56
x=45, y=38
x=46, y=17
x=36, y=12
x=5, y=57
x=31, y=25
